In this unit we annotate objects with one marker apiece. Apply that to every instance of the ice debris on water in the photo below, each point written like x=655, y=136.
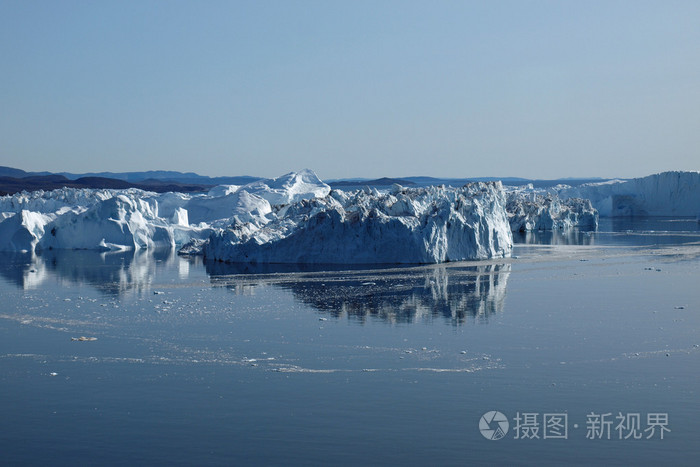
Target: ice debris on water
x=83, y=339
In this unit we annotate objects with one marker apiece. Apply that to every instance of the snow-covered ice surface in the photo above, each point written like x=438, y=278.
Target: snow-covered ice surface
x=404, y=225
x=664, y=194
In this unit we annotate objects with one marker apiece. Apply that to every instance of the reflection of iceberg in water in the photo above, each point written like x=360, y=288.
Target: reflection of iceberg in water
x=555, y=237
x=113, y=273
x=405, y=295
x=23, y=269
x=631, y=231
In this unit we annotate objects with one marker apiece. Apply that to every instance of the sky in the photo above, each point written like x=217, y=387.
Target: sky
x=535, y=89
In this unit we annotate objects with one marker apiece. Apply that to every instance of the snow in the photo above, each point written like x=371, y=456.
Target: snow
x=663, y=194
x=405, y=225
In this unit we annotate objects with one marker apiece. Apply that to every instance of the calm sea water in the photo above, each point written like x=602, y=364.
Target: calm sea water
x=579, y=340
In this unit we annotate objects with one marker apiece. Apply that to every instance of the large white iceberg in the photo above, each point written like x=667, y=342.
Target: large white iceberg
x=71, y=218
x=294, y=218
x=530, y=211
x=663, y=194
x=405, y=225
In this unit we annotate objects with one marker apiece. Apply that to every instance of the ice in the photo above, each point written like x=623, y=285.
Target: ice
x=294, y=218
x=223, y=190
x=289, y=188
x=21, y=231
x=207, y=209
x=528, y=211
x=70, y=218
x=664, y=194
x=297, y=218
x=405, y=225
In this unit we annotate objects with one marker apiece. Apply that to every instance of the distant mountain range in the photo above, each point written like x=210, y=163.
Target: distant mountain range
x=432, y=181
x=136, y=177
x=15, y=180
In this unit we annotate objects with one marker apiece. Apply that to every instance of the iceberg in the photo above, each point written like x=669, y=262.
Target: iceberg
x=20, y=232
x=404, y=225
x=295, y=218
x=133, y=219
x=664, y=194
x=289, y=188
x=530, y=211
x=122, y=222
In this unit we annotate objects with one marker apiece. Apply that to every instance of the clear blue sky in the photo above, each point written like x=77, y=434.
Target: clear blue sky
x=539, y=89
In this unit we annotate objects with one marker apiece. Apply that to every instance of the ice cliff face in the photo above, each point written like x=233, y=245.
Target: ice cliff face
x=528, y=211
x=291, y=219
x=406, y=225
x=134, y=219
x=296, y=218
x=664, y=194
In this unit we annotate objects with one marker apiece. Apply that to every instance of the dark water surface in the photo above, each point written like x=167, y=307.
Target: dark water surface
x=208, y=364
